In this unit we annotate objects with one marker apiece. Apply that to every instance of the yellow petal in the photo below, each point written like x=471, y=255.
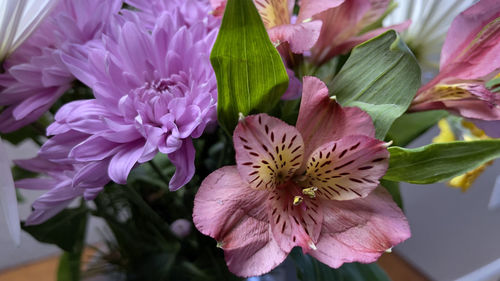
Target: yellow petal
x=446, y=134
x=466, y=180
x=475, y=131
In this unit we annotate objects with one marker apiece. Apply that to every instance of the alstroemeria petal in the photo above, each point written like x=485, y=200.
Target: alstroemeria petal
x=462, y=37
x=348, y=168
x=294, y=225
x=376, y=11
x=350, y=43
x=233, y=213
x=470, y=99
x=322, y=120
x=274, y=12
x=294, y=89
x=301, y=36
x=309, y=8
x=268, y=151
x=360, y=230
x=8, y=199
x=339, y=24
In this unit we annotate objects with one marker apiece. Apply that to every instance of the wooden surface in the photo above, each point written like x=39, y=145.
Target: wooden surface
x=45, y=270
x=400, y=270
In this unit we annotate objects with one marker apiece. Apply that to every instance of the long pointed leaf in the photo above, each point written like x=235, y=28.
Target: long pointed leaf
x=439, y=161
x=250, y=74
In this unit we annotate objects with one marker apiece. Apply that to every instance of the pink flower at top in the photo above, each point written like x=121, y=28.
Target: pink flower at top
x=469, y=58
x=35, y=77
x=290, y=34
x=313, y=186
x=342, y=27
x=300, y=33
x=155, y=91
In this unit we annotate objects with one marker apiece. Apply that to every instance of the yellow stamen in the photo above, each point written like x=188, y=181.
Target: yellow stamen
x=297, y=200
x=310, y=192
x=220, y=244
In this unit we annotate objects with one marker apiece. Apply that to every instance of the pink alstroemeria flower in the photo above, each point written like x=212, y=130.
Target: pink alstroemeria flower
x=309, y=186
x=299, y=32
x=469, y=58
x=343, y=26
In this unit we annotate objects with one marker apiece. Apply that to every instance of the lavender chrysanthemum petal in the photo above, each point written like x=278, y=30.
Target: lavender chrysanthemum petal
x=154, y=91
x=63, y=182
x=35, y=77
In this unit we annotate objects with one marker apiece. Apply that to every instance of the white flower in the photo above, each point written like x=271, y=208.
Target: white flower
x=8, y=199
x=431, y=20
x=18, y=18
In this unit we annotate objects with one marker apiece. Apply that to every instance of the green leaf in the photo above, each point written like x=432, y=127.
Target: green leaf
x=250, y=74
x=381, y=77
x=439, y=161
x=64, y=229
x=409, y=126
x=495, y=82
x=309, y=269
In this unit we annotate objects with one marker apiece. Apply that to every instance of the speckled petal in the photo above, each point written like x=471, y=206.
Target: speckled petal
x=348, y=168
x=233, y=213
x=268, y=151
x=360, y=230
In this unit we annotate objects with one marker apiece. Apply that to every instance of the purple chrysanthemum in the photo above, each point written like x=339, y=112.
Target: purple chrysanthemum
x=64, y=183
x=193, y=12
x=154, y=91
x=35, y=77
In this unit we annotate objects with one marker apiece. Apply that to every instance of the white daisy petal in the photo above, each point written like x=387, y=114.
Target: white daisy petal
x=431, y=20
x=18, y=19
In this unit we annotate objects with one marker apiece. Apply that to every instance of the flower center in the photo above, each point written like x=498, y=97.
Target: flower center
x=152, y=101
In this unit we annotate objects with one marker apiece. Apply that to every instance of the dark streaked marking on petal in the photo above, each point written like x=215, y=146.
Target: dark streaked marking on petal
x=343, y=165
x=355, y=146
x=343, y=153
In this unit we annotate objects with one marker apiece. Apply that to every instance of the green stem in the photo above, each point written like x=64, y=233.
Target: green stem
x=139, y=201
x=158, y=172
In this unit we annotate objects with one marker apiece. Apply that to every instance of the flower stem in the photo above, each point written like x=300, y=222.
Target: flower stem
x=158, y=172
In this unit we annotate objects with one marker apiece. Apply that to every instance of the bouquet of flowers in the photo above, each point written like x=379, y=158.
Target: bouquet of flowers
x=215, y=139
